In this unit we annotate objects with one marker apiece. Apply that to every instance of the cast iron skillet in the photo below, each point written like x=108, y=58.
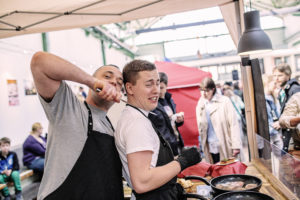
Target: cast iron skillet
x=229, y=178
x=244, y=195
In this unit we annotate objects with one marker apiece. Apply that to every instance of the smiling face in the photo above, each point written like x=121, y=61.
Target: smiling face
x=144, y=93
x=111, y=75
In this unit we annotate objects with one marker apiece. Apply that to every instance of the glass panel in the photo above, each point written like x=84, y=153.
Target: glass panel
x=287, y=59
x=277, y=60
x=297, y=62
x=284, y=166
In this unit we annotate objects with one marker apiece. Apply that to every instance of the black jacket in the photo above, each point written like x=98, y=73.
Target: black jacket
x=10, y=162
x=162, y=122
x=291, y=87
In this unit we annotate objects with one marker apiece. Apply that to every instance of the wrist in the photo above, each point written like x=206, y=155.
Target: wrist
x=177, y=162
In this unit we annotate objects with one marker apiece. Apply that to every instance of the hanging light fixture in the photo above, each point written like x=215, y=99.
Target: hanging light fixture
x=254, y=39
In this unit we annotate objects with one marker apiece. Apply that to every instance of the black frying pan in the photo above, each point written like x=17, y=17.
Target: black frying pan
x=247, y=179
x=244, y=195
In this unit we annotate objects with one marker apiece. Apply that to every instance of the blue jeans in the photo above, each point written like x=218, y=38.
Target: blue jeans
x=37, y=165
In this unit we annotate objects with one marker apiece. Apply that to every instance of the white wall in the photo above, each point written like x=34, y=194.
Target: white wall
x=15, y=56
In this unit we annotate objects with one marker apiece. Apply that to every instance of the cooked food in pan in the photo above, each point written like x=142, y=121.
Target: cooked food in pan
x=185, y=183
x=235, y=186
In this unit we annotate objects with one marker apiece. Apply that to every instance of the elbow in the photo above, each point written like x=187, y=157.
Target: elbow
x=139, y=188
x=37, y=59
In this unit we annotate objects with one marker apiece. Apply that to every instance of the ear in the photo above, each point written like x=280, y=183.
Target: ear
x=128, y=87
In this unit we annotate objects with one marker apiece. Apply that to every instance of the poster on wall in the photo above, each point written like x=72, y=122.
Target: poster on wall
x=13, y=96
x=29, y=87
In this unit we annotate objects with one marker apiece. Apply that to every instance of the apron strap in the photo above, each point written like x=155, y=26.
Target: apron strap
x=162, y=140
x=90, y=120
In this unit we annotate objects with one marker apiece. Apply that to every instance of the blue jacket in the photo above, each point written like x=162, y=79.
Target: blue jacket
x=10, y=162
x=272, y=114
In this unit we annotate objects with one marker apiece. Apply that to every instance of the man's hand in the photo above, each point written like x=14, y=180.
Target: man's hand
x=107, y=91
x=188, y=158
x=235, y=152
x=276, y=125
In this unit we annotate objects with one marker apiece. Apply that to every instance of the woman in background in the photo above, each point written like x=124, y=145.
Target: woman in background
x=34, y=149
x=218, y=125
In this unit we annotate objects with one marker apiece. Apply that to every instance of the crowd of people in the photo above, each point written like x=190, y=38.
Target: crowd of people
x=146, y=148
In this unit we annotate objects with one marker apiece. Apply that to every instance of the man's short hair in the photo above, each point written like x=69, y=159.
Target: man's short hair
x=4, y=140
x=163, y=77
x=284, y=68
x=131, y=70
x=111, y=65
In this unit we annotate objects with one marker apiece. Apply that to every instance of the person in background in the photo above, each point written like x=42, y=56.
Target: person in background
x=238, y=105
x=34, y=149
x=288, y=87
x=219, y=86
x=290, y=118
x=81, y=159
x=217, y=124
x=237, y=90
x=81, y=95
x=166, y=119
x=148, y=162
x=9, y=169
x=273, y=114
x=81, y=90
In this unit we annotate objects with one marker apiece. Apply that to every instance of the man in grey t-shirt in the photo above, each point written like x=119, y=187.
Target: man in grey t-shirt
x=81, y=159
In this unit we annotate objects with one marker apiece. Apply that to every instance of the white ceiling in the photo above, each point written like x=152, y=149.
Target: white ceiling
x=23, y=17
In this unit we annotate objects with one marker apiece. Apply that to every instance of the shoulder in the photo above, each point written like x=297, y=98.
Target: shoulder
x=131, y=117
x=12, y=153
x=295, y=98
x=292, y=86
x=222, y=99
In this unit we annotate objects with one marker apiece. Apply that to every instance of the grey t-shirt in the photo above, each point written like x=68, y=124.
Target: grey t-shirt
x=67, y=134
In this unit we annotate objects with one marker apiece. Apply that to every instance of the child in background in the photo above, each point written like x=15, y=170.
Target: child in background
x=9, y=169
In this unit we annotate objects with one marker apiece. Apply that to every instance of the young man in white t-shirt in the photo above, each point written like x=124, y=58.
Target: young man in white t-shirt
x=148, y=162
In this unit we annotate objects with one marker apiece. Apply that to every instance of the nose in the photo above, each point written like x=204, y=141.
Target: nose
x=113, y=81
x=156, y=89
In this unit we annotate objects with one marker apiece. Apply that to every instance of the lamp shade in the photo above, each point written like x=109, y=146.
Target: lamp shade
x=254, y=39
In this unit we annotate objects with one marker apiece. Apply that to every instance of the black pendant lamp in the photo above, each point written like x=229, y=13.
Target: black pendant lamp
x=254, y=39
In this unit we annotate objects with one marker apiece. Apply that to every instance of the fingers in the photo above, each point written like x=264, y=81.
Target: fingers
x=107, y=91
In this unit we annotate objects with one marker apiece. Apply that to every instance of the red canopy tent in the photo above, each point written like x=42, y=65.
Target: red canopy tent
x=183, y=85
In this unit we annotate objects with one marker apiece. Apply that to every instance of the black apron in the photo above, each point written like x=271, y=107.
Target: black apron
x=170, y=190
x=97, y=174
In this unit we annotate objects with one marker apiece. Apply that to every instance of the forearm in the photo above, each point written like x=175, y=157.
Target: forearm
x=49, y=70
x=295, y=121
x=154, y=178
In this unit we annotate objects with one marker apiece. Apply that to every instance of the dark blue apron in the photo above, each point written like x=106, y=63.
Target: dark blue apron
x=97, y=174
x=170, y=190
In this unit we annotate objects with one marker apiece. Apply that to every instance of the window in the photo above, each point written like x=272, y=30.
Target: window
x=297, y=62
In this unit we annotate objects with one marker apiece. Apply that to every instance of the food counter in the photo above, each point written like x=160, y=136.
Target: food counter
x=278, y=192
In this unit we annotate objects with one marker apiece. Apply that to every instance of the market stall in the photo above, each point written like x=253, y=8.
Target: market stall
x=18, y=17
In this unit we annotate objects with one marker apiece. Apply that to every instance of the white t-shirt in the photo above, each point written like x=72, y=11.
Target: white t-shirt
x=135, y=133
